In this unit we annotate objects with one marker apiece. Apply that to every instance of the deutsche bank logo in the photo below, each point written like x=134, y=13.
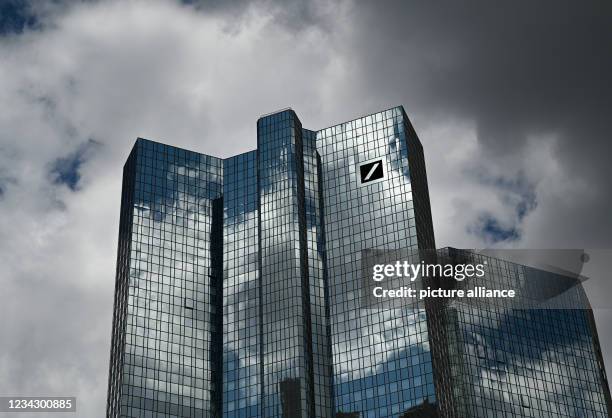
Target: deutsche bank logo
x=371, y=171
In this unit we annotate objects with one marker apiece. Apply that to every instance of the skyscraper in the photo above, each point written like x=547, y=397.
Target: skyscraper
x=166, y=341
x=238, y=288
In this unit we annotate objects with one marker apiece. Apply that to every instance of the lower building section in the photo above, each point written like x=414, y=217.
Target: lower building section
x=517, y=360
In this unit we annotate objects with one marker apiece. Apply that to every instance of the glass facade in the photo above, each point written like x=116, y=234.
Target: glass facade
x=382, y=364
x=514, y=362
x=166, y=331
x=287, y=357
x=238, y=292
x=242, y=381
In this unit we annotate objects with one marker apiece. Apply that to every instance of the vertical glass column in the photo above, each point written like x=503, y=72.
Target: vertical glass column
x=121, y=287
x=286, y=353
x=167, y=363
x=317, y=278
x=241, y=301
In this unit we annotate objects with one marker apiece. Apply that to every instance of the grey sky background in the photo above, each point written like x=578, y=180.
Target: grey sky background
x=512, y=102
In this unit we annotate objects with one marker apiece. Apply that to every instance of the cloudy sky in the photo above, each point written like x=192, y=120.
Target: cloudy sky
x=512, y=102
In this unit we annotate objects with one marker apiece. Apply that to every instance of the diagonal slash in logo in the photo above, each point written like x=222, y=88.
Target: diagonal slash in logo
x=371, y=171
x=374, y=167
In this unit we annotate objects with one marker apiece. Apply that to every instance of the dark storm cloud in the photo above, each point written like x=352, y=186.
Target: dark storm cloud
x=519, y=66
